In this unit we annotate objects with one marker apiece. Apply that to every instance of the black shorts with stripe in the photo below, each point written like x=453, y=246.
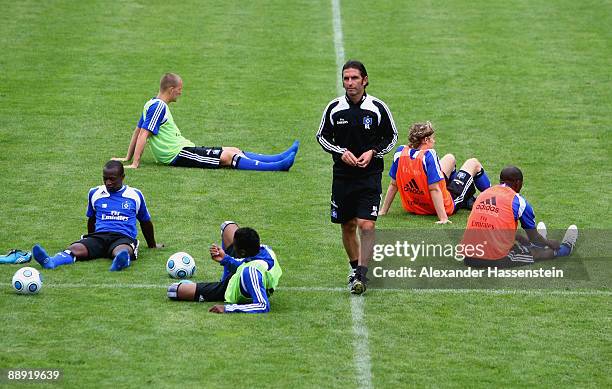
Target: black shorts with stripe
x=202, y=157
x=355, y=198
x=102, y=244
x=462, y=189
x=519, y=255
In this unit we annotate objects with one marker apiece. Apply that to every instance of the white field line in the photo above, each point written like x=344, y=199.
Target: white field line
x=338, y=43
x=361, y=348
x=361, y=342
x=323, y=289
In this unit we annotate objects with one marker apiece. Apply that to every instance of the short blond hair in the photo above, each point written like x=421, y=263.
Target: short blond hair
x=418, y=132
x=169, y=80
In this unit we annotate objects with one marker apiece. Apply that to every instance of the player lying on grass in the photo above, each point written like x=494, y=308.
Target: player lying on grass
x=250, y=274
x=157, y=128
x=422, y=178
x=491, y=231
x=112, y=211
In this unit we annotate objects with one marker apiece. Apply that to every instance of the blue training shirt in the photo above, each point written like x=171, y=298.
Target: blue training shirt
x=117, y=211
x=230, y=264
x=523, y=211
x=431, y=164
x=154, y=117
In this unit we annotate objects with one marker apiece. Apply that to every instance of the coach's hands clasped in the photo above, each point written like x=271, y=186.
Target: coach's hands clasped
x=349, y=158
x=363, y=161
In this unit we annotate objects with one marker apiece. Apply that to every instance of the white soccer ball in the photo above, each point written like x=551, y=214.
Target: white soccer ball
x=181, y=265
x=27, y=280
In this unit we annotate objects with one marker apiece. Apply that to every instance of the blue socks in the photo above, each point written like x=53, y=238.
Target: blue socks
x=275, y=157
x=63, y=258
x=243, y=163
x=563, y=251
x=121, y=261
x=481, y=180
x=41, y=256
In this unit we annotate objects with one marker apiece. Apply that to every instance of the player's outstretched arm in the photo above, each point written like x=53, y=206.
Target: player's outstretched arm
x=141, y=141
x=389, y=197
x=438, y=201
x=131, y=147
x=535, y=237
x=217, y=308
x=149, y=234
x=217, y=254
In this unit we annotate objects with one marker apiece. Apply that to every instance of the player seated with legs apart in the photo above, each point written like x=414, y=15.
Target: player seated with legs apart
x=157, y=128
x=250, y=274
x=491, y=238
x=428, y=185
x=112, y=211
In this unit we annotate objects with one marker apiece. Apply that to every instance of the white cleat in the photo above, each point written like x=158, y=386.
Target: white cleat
x=351, y=278
x=570, y=237
x=541, y=227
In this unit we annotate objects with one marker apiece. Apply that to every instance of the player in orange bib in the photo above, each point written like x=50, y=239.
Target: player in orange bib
x=491, y=238
x=428, y=185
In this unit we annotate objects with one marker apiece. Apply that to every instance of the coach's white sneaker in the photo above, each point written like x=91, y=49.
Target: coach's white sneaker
x=570, y=237
x=541, y=228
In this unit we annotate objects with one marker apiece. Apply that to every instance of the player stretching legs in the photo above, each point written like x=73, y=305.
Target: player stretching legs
x=250, y=274
x=112, y=209
x=493, y=224
x=157, y=128
x=421, y=178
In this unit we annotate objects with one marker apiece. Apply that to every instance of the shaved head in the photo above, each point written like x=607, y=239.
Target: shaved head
x=111, y=165
x=169, y=80
x=513, y=177
x=511, y=174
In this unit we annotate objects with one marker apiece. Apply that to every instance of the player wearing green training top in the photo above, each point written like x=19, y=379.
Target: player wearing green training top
x=250, y=274
x=157, y=128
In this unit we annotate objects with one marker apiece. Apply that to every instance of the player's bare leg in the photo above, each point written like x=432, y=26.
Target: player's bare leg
x=227, y=235
x=448, y=164
x=472, y=166
x=79, y=251
x=72, y=253
x=227, y=155
x=186, y=291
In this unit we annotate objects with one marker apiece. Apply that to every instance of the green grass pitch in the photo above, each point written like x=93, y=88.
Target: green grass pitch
x=521, y=82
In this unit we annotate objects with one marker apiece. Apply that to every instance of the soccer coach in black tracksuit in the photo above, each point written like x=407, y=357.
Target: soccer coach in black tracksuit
x=358, y=130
